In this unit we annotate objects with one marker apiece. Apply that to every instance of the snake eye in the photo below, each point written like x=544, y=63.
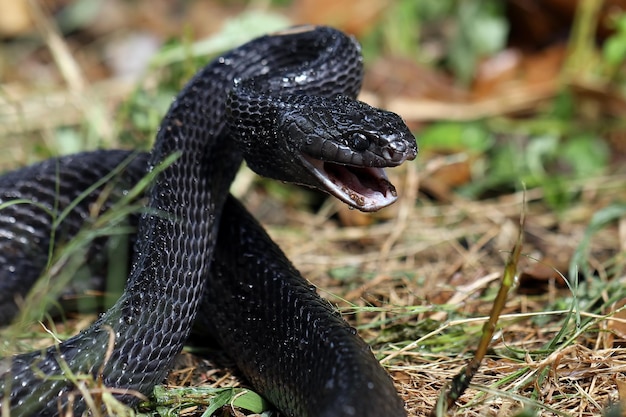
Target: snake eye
x=359, y=142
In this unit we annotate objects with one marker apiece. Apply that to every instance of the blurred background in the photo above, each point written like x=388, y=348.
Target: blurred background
x=503, y=96
x=501, y=92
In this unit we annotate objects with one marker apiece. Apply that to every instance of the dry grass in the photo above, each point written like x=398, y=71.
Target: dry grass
x=427, y=273
x=418, y=282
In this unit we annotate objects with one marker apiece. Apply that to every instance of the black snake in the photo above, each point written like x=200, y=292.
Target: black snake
x=284, y=102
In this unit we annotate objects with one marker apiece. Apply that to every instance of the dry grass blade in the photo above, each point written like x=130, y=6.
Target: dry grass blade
x=461, y=381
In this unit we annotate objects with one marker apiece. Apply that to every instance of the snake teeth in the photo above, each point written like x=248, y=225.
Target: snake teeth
x=364, y=188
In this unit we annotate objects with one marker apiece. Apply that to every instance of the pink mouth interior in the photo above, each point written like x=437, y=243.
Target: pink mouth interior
x=366, y=189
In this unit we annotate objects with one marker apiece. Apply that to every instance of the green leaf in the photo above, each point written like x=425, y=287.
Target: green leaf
x=455, y=137
x=235, y=31
x=481, y=31
x=588, y=155
x=614, y=50
x=344, y=273
x=220, y=400
x=169, y=400
x=599, y=220
x=251, y=401
x=539, y=150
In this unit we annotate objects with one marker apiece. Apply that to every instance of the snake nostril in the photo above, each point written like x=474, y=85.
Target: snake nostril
x=398, y=146
x=395, y=151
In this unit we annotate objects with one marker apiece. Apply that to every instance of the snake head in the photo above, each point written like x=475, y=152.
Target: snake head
x=344, y=146
x=337, y=145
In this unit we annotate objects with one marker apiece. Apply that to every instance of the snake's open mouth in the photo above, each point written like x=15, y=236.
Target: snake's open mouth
x=364, y=188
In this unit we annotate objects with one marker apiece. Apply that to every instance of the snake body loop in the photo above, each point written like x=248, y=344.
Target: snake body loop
x=286, y=103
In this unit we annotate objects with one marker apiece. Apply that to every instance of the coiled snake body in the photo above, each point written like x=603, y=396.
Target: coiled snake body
x=285, y=103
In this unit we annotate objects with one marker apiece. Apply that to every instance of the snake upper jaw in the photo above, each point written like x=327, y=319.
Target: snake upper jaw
x=364, y=188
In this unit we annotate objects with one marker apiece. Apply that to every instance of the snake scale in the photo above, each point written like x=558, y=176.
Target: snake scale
x=286, y=103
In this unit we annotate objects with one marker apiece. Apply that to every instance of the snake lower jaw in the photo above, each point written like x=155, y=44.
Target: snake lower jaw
x=364, y=188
